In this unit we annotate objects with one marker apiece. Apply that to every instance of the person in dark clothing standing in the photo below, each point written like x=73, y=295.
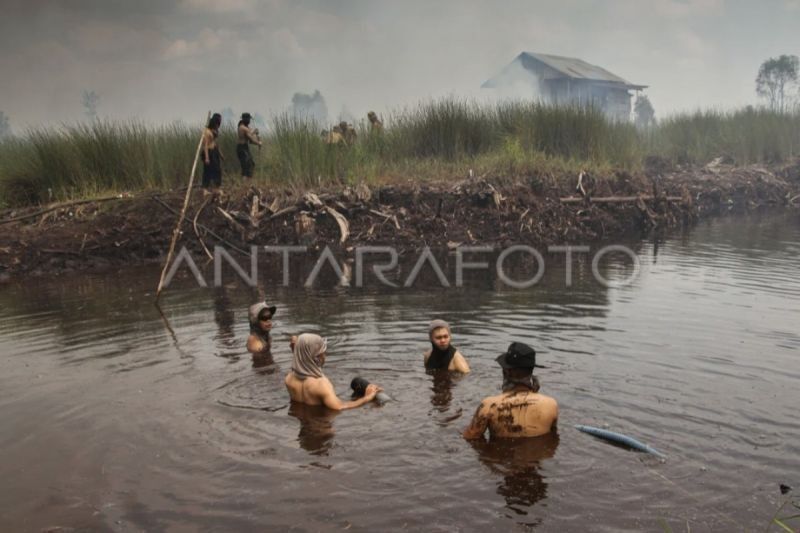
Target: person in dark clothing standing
x=212, y=155
x=245, y=136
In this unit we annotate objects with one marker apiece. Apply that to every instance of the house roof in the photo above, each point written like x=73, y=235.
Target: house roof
x=563, y=67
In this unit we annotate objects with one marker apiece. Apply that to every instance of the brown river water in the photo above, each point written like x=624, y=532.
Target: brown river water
x=108, y=422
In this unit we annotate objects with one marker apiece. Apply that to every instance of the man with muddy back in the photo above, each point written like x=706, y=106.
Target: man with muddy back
x=308, y=385
x=245, y=136
x=520, y=411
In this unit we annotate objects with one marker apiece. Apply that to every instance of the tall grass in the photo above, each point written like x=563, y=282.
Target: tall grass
x=748, y=135
x=442, y=137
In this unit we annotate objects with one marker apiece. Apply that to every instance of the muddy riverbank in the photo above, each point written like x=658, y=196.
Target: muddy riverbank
x=482, y=210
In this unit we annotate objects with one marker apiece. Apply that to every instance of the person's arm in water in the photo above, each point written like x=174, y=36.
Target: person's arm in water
x=329, y=399
x=426, y=355
x=459, y=364
x=479, y=424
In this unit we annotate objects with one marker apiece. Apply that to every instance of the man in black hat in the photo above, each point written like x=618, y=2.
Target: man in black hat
x=245, y=136
x=520, y=411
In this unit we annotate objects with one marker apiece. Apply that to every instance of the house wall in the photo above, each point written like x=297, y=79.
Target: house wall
x=614, y=101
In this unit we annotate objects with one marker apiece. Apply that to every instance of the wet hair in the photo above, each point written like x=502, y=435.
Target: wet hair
x=514, y=376
x=215, y=121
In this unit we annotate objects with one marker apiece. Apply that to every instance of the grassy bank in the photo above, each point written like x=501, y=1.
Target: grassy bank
x=432, y=140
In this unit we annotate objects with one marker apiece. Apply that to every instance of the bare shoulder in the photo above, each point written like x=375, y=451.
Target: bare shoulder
x=548, y=400
x=319, y=386
x=490, y=403
x=549, y=403
x=426, y=354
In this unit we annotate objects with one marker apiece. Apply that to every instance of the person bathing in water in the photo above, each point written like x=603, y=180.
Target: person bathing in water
x=260, y=316
x=308, y=385
x=520, y=410
x=443, y=355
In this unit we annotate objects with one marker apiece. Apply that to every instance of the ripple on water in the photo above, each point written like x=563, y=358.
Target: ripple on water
x=696, y=359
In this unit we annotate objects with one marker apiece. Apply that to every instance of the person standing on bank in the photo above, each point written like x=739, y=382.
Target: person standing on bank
x=212, y=155
x=245, y=136
x=520, y=410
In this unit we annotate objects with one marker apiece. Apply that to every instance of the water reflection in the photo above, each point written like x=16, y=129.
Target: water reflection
x=265, y=363
x=517, y=462
x=441, y=387
x=225, y=319
x=722, y=304
x=316, y=427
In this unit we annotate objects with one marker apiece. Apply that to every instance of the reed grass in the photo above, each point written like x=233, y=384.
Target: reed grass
x=435, y=139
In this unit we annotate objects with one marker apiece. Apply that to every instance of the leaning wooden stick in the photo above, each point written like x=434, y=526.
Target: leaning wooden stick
x=177, y=229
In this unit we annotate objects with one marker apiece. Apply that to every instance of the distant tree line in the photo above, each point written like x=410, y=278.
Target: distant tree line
x=777, y=82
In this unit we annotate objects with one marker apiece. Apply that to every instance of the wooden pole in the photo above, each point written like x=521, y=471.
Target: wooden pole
x=177, y=229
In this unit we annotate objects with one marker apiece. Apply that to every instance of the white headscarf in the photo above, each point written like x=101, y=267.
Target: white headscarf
x=305, y=362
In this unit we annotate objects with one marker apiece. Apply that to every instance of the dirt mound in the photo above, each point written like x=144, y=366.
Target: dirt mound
x=536, y=210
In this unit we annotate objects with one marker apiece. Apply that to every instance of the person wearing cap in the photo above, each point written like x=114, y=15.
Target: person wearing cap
x=443, y=355
x=245, y=136
x=308, y=385
x=260, y=316
x=520, y=410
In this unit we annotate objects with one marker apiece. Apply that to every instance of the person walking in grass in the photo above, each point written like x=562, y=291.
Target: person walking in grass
x=245, y=136
x=212, y=155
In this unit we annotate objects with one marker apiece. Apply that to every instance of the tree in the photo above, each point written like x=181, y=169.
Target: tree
x=644, y=114
x=310, y=107
x=89, y=99
x=776, y=78
x=259, y=121
x=5, y=126
x=228, y=117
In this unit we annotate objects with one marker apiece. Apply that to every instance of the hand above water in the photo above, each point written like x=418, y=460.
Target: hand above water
x=372, y=391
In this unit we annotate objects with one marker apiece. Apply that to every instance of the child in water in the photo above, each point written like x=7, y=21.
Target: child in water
x=260, y=316
x=443, y=355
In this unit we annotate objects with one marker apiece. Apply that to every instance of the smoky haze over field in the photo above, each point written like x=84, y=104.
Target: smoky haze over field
x=161, y=61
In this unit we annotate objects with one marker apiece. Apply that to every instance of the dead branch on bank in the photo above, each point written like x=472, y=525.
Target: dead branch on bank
x=62, y=206
x=177, y=229
x=206, y=228
x=615, y=199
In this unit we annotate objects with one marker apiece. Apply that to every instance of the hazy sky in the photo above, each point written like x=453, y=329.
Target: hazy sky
x=166, y=60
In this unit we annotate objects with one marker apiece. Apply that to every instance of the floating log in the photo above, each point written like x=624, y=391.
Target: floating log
x=615, y=199
x=619, y=438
